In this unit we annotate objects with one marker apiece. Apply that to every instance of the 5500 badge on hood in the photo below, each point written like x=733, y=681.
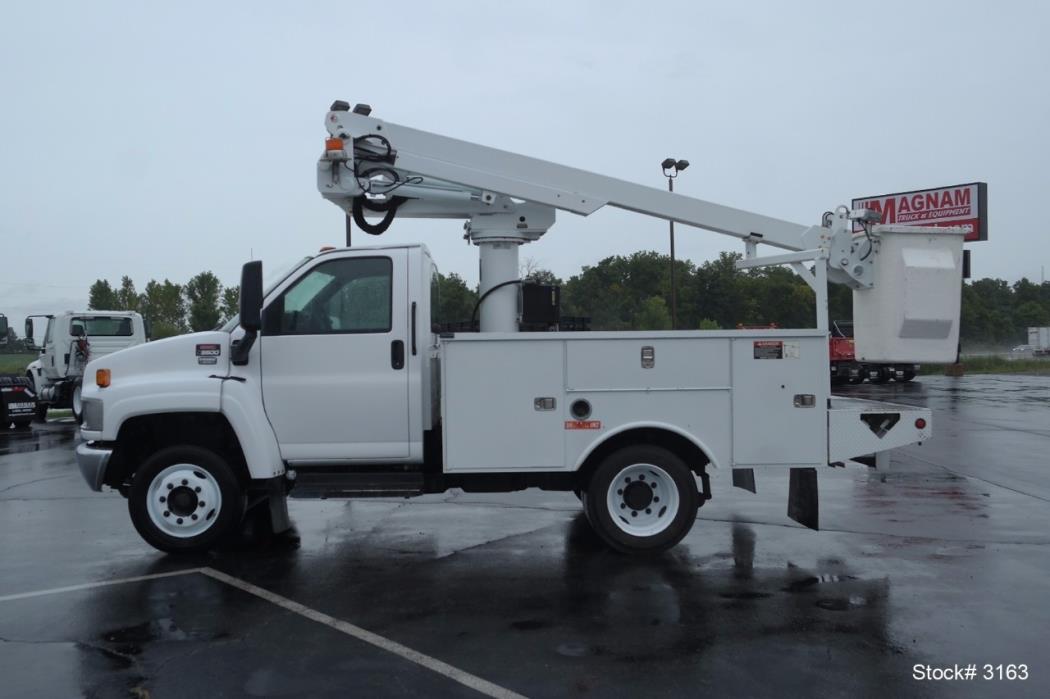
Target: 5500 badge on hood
x=208, y=353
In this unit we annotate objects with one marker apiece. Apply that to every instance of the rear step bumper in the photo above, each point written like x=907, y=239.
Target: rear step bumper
x=311, y=483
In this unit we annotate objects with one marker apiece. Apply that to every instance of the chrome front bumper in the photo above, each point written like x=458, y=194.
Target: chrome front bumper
x=92, y=462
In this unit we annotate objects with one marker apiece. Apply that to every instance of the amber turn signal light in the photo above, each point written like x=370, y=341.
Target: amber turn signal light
x=333, y=144
x=102, y=378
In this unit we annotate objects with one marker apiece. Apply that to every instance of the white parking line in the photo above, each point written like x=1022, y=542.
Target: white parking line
x=100, y=583
x=453, y=673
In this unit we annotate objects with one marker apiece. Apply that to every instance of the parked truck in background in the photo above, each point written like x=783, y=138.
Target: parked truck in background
x=1039, y=341
x=17, y=401
x=846, y=369
x=70, y=340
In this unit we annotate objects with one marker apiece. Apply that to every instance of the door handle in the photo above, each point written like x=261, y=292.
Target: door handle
x=413, y=328
x=397, y=354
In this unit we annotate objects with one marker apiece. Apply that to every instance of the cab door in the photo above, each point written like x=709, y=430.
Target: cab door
x=333, y=357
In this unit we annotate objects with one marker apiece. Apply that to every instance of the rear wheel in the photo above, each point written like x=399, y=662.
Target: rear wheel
x=40, y=414
x=184, y=499
x=877, y=375
x=642, y=499
x=907, y=376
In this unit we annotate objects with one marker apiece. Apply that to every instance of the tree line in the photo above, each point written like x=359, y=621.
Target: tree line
x=202, y=303
x=625, y=292
x=633, y=292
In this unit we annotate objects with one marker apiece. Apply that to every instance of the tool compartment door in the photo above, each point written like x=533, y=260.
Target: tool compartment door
x=492, y=420
x=768, y=374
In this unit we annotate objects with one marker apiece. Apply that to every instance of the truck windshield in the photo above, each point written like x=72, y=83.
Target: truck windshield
x=102, y=326
x=270, y=282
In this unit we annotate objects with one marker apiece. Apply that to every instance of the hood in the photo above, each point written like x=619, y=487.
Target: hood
x=195, y=355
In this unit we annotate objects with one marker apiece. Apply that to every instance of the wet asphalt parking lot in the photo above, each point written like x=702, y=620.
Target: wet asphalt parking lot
x=942, y=561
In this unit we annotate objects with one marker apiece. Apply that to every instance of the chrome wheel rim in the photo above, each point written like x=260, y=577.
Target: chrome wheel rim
x=183, y=500
x=642, y=500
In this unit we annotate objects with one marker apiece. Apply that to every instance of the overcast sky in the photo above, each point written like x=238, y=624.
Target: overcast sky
x=160, y=139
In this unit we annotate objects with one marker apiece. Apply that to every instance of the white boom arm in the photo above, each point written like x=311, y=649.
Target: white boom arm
x=374, y=168
x=461, y=167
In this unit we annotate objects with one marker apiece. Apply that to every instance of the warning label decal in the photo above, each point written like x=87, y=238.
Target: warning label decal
x=769, y=349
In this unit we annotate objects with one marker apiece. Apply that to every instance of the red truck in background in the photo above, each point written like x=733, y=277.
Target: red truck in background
x=846, y=369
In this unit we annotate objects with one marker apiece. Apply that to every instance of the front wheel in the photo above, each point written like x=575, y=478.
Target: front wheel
x=185, y=499
x=642, y=499
x=77, y=405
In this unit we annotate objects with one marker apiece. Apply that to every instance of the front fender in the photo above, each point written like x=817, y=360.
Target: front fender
x=243, y=407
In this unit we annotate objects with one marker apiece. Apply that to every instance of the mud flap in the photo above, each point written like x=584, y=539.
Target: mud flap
x=744, y=478
x=803, y=504
x=278, y=497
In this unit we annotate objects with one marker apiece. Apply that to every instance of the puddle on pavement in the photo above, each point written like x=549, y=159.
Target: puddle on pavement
x=24, y=441
x=130, y=640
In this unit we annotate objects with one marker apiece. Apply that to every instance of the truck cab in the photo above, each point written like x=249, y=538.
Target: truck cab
x=348, y=351
x=70, y=340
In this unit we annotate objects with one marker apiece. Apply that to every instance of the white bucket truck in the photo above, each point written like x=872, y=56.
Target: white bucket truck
x=72, y=339
x=331, y=383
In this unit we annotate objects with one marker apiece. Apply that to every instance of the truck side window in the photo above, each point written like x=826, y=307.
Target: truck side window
x=349, y=295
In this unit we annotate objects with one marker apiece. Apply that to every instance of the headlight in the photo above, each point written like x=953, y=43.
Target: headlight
x=92, y=415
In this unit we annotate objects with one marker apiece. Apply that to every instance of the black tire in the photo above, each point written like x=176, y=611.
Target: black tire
x=855, y=380
x=226, y=521
x=78, y=415
x=597, y=507
x=907, y=376
x=23, y=424
x=881, y=376
x=40, y=414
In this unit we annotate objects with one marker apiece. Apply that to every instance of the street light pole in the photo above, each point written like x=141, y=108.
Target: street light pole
x=674, y=291
x=671, y=169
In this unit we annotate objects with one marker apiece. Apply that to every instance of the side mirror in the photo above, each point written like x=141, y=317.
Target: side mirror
x=28, y=340
x=77, y=330
x=147, y=328
x=251, y=312
x=251, y=296
x=3, y=327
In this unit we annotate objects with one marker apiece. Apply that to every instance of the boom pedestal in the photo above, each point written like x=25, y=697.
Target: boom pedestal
x=499, y=268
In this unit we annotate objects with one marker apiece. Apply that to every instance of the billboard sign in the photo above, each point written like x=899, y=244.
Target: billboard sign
x=964, y=205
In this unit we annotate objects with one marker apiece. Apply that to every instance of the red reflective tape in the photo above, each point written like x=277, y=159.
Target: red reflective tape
x=583, y=424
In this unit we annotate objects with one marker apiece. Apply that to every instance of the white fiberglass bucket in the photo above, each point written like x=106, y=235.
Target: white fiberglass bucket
x=911, y=315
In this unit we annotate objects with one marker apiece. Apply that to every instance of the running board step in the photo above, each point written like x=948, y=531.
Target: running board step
x=344, y=484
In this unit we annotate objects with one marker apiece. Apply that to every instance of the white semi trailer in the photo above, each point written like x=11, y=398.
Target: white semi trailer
x=332, y=383
x=1039, y=341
